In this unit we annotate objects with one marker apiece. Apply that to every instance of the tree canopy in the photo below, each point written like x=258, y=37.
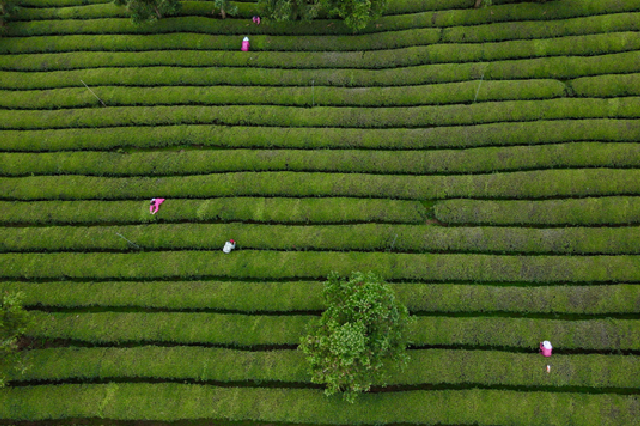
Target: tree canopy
x=15, y=322
x=149, y=10
x=360, y=334
x=356, y=13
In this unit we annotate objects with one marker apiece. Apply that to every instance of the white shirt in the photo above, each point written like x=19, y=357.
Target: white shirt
x=228, y=247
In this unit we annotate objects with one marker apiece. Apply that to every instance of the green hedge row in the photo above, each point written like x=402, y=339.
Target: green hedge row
x=306, y=296
x=269, y=265
x=515, y=133
x=272, y=47
x=353, y=117
x=80, y=97
x=588, y=45
x=60, y=3
x=178, y=327
x=480, y=33
x=366, y=237
x=588, y=211
x=251, y=330
x=246, y=9
x=544, y=183
x=607, y=85
x=162, y=163
x=173, y=401
x=552, y=67
x=544, y=68
x=252, y=209
x=83, y=11
x=432, y=366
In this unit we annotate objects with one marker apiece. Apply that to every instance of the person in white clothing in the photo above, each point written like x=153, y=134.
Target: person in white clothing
x=228, y=246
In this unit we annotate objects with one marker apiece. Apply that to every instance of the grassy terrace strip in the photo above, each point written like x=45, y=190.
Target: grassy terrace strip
x=432, y=366
x=270, y=265
x=252, y=330
x=306, y=296
x=178, y=327
x=588, y=211
x=466, y=92
x=350, y=117
x=172, y=401
x=529, y=184
x=587, y=45
x=365, y=237
x=487, y=159
x=500, y=134
x=251, y=209
x=607, y=85
x=481, y=33
x=543, y=68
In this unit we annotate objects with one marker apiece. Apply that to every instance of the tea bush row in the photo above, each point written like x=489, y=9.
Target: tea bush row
x=432, y=366
x=274, y=55
x=251, y=209
x=587, y=211
x=174, y=401
x=392, y=36
x=543, y=68
x=270, y=265
x=306, y=296
x=543, y=183
x=497, y=134
x=162, y=163
x=350, y=117
x=364, y=237
x=451, y=93
x=251, y=330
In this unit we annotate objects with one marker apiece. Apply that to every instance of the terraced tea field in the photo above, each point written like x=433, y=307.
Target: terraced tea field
x=485, y=162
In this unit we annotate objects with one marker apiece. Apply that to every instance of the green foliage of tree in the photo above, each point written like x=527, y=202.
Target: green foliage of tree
x=291, y=10
x=360, y=335
x=6, y=9
x=225, y=7
x=149, y=10
x=15, y=322
x=356, y=13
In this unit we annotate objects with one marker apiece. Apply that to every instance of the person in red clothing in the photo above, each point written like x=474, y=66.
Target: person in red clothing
x=546, y=348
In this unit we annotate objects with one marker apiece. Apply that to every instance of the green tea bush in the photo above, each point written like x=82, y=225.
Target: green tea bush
x=621, y=210
x=497, y=134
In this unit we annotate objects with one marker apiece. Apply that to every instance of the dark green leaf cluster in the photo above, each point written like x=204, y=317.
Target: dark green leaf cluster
x=15, y=322
x=362, y=331
x=356, y=13
x=149, y=10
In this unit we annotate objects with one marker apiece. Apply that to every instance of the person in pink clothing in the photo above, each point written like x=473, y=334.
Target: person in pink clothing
x=546, y=348
x=155, y=205
x=245, y=44
x=256, y=20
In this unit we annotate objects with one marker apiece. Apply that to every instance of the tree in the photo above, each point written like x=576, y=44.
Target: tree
x=362, y=331
x=6, y=8
x=291, y=10
x=225, y=7
x=356, y=13
x=149, y=10
x=15, y=322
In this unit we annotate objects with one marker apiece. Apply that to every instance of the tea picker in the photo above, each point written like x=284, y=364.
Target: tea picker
x=228, y=246
x=155, y=205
